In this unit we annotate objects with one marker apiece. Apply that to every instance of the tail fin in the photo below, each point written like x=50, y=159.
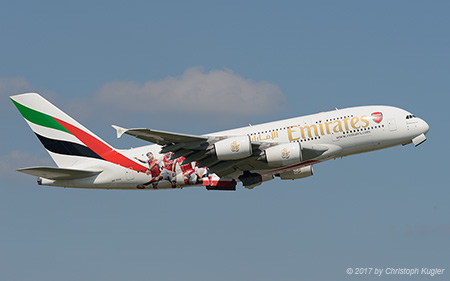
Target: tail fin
x=66, y=140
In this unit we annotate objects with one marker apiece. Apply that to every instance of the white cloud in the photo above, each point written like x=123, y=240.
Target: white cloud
x=218, y=92
x=197, y=101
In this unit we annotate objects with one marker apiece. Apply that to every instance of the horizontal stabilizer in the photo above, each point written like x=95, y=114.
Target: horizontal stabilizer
x=54, y=173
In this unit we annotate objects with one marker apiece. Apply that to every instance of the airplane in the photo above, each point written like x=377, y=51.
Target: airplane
x=287, y=149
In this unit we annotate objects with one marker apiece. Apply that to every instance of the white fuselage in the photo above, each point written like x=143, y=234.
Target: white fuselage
x=351, y=130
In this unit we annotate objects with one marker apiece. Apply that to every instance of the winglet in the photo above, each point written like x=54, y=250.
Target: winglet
x=120, y=131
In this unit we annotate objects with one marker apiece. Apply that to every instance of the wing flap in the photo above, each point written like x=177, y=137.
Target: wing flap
x=55, y=173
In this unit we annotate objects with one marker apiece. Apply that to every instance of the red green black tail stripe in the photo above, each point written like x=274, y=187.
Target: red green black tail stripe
x=102, y=149
x=67, y=148
x=94, y=148
x=39, y=118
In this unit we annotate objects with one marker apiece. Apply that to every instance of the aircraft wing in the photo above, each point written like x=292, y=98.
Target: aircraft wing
x=198, y=149
x=202, y=149
x=159, y=137
x=55, y=173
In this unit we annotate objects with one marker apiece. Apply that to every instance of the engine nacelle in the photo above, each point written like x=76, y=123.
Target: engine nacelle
x=299, y=173
x=233, y=148
x=283, y=155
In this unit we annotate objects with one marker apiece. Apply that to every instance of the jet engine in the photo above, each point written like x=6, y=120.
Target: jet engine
x=233, y=148
x=283, y=155
x=299, y=173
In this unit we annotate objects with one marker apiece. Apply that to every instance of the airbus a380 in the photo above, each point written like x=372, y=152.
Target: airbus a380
x=287, y=149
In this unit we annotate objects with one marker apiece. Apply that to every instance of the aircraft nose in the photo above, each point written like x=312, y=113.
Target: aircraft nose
x=425, y=126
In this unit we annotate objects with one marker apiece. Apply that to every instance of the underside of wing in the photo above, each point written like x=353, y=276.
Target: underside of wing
x=55, y=173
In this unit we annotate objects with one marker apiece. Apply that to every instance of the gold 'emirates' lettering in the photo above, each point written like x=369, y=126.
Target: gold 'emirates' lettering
x=353, y=122
x=346, y=123
x=321, y=128
x=365, y=121
x=291, y=131
x=308, y=128
x=338, y=127
x=327, y=125
x=297, y=132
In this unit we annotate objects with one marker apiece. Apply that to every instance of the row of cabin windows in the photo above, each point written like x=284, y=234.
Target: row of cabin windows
x=308, y=139
x=318, y=137
x=265, y=132
x=317, y=122
x=337, y=118
x=364, y=129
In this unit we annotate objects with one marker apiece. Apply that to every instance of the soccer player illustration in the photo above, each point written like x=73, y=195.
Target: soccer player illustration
x=201, y=172
x=168, y=171
x=191, y=173
x=172, y=170
x=153, y=170
x=187, y=173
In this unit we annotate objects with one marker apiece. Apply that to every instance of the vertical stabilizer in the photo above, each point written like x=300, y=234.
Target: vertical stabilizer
x=66, y=140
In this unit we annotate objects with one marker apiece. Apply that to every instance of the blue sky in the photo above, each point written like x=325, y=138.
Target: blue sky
x=94, y=59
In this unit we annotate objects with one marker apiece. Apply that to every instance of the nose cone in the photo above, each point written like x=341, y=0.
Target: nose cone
x=424, y=126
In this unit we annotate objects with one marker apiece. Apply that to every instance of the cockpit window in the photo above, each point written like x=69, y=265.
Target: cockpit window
x=411, y=116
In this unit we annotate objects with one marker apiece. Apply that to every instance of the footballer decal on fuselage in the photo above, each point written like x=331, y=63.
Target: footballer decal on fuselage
x=173, y=171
